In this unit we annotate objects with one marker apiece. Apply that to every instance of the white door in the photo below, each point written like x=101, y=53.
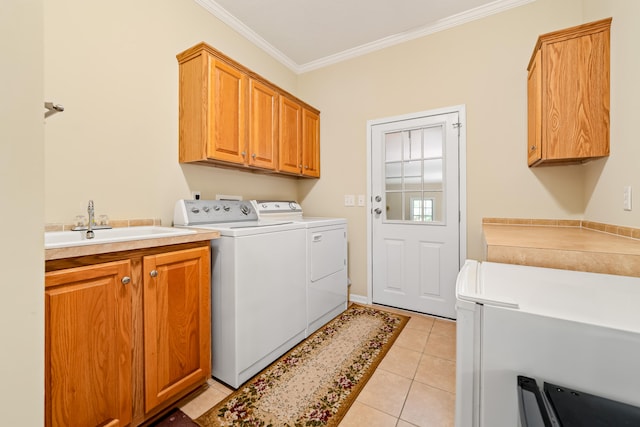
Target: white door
x=416, y=210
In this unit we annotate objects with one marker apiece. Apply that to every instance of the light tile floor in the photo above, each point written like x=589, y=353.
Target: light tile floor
x=414, y=385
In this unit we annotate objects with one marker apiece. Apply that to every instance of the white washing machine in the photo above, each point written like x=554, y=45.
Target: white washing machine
x=326, y=259
x=258, y=278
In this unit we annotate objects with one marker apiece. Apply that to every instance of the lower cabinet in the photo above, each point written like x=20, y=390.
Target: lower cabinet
x=125, y=338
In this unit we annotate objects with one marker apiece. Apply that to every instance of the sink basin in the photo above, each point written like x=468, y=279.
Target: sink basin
x=63, y=239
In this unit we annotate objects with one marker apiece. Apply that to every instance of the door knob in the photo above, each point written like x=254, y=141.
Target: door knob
x=153, y=273
x=378, y=211
x=378, y=199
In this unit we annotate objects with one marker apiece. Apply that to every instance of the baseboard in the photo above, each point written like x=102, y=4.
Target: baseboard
x=361, y=299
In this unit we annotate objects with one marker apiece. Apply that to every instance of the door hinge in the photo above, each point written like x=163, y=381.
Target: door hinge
x=457, y=125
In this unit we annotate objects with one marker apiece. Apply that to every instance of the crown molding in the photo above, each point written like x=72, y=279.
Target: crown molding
x=480, y=12
x=222, y=14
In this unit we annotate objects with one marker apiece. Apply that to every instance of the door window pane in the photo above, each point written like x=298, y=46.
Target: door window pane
x=393, y=147
x=414, y=175
x=394, y=206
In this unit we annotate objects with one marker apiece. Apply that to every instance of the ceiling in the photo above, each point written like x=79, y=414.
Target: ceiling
x=310, y=34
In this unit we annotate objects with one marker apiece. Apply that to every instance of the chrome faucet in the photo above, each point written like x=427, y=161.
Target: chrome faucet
x=90, y=210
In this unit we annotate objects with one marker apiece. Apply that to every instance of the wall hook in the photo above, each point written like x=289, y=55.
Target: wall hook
x=52, y=109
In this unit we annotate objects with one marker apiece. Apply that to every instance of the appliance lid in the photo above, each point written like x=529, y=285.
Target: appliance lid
x=592, y=298
x=470, y=287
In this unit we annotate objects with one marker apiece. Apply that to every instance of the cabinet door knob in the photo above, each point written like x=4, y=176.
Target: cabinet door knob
x=126, y=280
x=243, y=154
x=253, y=156
x=533, y=148
x=153, y=273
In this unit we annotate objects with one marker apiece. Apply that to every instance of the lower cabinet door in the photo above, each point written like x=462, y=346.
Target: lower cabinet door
x=177, y=340
x=88, y=346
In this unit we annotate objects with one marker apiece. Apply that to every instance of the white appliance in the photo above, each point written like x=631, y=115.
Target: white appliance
x=578, y=329
x=326, y=259
x=258, y=298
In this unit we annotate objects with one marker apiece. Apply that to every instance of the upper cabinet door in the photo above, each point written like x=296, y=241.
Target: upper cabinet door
x=290, y=140
x=310, y=143
x=227, y=131
x=572, y=94
x=263, y=125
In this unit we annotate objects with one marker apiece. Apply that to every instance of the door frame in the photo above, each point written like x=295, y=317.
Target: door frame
x=462, y=179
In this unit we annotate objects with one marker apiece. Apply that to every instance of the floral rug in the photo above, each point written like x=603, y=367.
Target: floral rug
x=316, y=382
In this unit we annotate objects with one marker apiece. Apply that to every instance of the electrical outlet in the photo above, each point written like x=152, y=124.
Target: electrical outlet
x=349, y=200
x=627, y=198
x=361, y=200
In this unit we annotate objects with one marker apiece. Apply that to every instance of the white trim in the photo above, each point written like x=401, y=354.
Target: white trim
x=237, y=25
x=479, y=12
x=360, y=299
x=462, y=191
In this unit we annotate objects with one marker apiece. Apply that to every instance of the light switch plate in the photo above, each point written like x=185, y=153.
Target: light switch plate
x=361, y=200
x=349, y=200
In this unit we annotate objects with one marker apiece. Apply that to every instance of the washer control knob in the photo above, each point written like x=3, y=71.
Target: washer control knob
x=195, y=210
x=293, y=206
x=206, y=208
x=216, y=208
x=245, y=209
x=226, y=208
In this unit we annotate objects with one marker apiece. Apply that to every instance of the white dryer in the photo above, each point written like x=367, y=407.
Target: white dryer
x=326, y=259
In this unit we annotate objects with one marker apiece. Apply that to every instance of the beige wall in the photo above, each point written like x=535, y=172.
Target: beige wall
x=605, y=179
x=22, y=193
x=483, y=65
x=113, y=67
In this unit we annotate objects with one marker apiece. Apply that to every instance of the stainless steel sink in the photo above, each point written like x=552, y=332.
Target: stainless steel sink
x=63, y=239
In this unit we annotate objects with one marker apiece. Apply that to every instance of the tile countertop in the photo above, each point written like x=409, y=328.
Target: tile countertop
x=569, y=245
x=102, y=248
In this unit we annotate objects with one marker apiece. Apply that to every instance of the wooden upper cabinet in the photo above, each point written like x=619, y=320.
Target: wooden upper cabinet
x=231, y=116
x=263, y=125
x=310, y=143
x=177, y=343
x=212, y=108
x=568, y=95
x=299, y=143
x=290, y=140
x=88, y=333
x=226, y=113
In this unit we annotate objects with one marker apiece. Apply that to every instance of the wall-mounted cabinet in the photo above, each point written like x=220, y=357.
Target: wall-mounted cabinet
x=230, y=116
x=568, y=95
x=299, y=142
